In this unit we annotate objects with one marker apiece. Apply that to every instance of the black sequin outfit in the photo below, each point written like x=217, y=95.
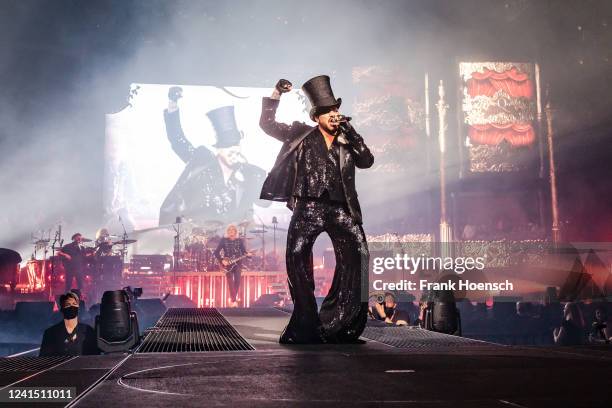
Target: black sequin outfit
x=201, y=192
x=323, y=199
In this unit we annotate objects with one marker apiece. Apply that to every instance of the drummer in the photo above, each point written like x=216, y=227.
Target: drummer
x=104, y=245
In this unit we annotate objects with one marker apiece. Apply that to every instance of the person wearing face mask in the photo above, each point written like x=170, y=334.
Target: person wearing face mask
x=69, y=337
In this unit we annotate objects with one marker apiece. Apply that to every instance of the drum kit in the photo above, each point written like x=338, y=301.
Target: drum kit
x=111, y=245
x=199, y=245
x=196, y=241
x=194, y=246
x=44, y=268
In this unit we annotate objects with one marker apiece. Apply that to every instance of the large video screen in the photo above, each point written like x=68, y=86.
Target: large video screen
x=213, y=174
x=206, y=161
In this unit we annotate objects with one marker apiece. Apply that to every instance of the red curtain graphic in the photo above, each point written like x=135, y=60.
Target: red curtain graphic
x=516, y=134
x=512, y=82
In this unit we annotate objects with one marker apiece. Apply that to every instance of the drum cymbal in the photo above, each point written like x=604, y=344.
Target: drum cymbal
x=258, y=231
x=41, y=242
x=124, y=242
x=244, y=224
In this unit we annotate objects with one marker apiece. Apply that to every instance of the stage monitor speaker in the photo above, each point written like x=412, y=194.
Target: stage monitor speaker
x=267, y=300
x=149, y=311
x=39, y=311
x=504, y=307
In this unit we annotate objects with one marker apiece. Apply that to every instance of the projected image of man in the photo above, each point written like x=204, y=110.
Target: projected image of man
x=220, y=186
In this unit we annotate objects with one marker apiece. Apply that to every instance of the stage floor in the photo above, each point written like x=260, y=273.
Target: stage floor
x=425, y=369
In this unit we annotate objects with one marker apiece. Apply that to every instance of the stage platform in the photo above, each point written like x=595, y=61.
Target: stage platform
x=395, y=367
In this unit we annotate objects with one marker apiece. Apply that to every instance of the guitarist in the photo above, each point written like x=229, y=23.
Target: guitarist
x=233, y=251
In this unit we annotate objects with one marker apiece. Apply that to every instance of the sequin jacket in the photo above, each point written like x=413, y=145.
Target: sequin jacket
x=201, y=192
x=280, y=183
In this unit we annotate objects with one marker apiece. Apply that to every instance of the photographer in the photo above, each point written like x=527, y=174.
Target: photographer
x=571, y=332
x=388, y=311
x=69, y=337
x=600, y=328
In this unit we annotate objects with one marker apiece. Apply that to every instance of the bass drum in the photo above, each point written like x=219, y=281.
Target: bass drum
x=33, y=275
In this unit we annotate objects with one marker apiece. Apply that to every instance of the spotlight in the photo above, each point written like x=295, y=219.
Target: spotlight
x=116, y=325
x=442, y=314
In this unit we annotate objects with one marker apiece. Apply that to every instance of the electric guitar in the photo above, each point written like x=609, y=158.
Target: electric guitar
x=228, y=263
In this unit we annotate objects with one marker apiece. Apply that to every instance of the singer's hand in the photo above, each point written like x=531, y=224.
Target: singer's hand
x=65, y=255
x=348, y=130
x=175, y=93
x=283, y=86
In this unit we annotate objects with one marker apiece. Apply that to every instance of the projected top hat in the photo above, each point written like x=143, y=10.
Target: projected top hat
x=319, y=93
x=226, y=130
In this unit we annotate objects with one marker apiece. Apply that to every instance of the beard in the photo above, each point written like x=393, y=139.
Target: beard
x=332, y=130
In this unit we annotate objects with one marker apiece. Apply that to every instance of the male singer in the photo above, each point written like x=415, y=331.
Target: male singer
x=315, y=174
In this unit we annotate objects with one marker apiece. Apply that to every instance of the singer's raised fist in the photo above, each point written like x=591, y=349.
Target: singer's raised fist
x=175, y=93
x=283, y=86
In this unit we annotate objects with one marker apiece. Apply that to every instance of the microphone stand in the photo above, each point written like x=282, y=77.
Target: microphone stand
x=177, y=250
x=57, y=238
x=274, y=226
x=263, y=242
x=124, y=245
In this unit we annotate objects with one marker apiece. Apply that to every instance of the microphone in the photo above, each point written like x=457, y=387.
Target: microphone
x=340, y=119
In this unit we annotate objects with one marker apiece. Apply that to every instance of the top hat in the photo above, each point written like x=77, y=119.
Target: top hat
x=319, y=93
x=224, y=122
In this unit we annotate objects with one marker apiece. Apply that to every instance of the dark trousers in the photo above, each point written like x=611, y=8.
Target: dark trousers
x=74, y=273
x=233, y=281
x=343, y=315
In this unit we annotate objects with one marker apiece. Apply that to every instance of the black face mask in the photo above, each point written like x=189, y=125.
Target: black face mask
x=70, y=312
x=389, y=311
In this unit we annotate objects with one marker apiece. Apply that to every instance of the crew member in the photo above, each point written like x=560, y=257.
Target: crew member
x=69, y=337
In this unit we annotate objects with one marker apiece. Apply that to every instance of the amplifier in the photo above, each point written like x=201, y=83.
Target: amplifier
x=150, y=264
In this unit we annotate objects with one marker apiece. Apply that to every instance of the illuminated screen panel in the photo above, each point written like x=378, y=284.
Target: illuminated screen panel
x=149, y=183
x=499, y=113
x=152, y=177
